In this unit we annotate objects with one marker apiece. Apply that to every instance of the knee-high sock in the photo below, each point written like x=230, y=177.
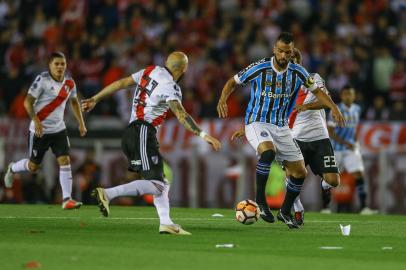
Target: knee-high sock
x=135, y=188
x=293, y=189
x=65, y=179
x=297, y=204
x=20, y=166
x=161, y=203
x=263, y=167
x=361, y=191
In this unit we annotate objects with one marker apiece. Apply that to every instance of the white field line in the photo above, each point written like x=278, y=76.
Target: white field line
x=179, y=218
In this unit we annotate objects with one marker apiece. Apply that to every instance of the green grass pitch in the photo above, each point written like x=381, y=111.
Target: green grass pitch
x=82, y=239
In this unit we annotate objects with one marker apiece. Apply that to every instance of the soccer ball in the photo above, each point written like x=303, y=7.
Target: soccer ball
x=247, y=212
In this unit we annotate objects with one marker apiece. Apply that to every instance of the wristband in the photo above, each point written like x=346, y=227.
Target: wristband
x=202, y=134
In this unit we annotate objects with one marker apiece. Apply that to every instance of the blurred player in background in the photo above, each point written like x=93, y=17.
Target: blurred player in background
x=157, y=91
x=346, y=147
x=309, y=129
x=275, y=83
x=45, y=104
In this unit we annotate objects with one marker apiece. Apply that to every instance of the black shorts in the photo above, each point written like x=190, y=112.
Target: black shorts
x=319, y=155
x=59, y=143
x=140, y=145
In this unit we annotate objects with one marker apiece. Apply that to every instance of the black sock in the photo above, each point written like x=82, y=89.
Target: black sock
x=292, y=191
x=263, y=167
x=362, y=194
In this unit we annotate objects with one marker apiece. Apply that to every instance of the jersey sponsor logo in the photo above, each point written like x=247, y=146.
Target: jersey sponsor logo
x=275, y=96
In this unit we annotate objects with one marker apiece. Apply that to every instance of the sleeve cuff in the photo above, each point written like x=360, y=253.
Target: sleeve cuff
x=237, y=79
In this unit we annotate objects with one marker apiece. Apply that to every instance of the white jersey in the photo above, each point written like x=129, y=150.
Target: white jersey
x=155, y=88
x=309, y=125
x=50, y=101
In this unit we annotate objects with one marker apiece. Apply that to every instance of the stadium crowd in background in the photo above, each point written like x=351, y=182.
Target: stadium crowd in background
x=358, y=42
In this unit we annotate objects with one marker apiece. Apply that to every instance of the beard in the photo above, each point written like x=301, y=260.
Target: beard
x=282, y=65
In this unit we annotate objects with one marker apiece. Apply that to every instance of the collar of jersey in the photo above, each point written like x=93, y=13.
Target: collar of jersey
x=278, y=72
x=170, y=73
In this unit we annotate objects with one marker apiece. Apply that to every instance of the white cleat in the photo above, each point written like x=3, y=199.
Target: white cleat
x=172, y=229
x=8, y=177
x=325, y=211
x=366, y=211
x=102, y=201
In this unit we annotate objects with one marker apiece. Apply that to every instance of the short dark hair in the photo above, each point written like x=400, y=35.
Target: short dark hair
x=285, y=37
x=347, y=87
x=56, y=55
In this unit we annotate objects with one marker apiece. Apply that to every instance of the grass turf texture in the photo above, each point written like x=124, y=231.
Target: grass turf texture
x=82, y=239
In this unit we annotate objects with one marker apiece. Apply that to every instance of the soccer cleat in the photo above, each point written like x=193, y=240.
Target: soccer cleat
x=265, y=213
x=288, y=220
x=366, y=211
x=325, y=211
x=70, y=204
x=8, y=177
x=172, y=229
x=299, y=218
x=102, y=201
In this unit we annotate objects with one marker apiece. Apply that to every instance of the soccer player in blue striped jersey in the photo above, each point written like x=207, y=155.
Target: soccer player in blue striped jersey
x=275, y=83
x=345, y=145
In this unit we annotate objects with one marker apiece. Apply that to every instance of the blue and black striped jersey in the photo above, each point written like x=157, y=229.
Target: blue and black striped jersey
x=273, y=93
x=348, y=133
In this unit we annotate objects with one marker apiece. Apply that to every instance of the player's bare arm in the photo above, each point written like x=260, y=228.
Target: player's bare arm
x=29, y=107
x=318, y=105
x=190, y=124
x=333, y=135
x=335, y=111
x=78, y=115
x=228, y=88
x=88, y=104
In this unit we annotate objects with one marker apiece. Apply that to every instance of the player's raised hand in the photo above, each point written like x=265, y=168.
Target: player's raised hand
x=88, y=104
x=338, y=117
x=238, y=134
x=222, y=109
x=82, y=130
x=216, y=144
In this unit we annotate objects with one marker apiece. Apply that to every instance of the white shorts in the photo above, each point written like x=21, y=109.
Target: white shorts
x=281, y=137
x=349, y=161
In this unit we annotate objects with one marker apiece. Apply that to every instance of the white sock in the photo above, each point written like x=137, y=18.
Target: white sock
x=325, y=185
x=297, y=205
x=20, y=166
x=135, y=188
x=161, y=203
x=65, y=179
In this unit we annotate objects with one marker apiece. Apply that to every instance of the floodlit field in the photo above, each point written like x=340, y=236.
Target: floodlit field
x=47, y=237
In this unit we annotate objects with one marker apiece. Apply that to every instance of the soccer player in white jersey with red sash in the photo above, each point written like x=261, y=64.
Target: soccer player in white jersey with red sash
x=157, y=91
x=45, y=104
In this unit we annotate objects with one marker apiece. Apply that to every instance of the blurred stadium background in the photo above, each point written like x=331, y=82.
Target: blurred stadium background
x=358, y=42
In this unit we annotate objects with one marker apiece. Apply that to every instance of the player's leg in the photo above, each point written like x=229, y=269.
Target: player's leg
x=293, y=161
x=260, y=139
x=353, y=164
x=297, y=204
x=37, y=149
x=60, y=147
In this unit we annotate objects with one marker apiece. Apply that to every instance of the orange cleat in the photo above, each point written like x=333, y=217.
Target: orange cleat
x=71, y=204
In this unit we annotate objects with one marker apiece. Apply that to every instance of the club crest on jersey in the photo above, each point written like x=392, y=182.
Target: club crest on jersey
x=264, y=134
x=155, y=159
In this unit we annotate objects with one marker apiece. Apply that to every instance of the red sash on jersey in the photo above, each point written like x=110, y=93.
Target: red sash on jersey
x=62, y=95
x=139, y=111
x=300, y=99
